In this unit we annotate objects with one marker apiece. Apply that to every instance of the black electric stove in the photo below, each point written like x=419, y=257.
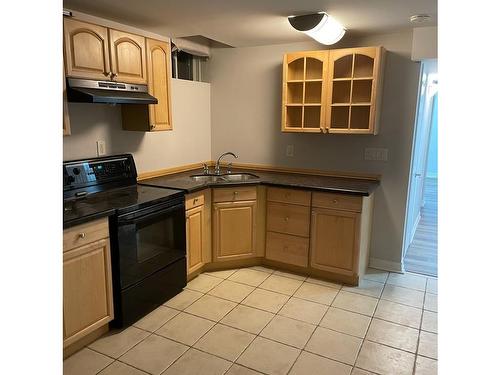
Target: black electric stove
x=147, y=231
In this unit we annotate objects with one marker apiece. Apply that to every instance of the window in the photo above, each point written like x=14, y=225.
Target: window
x=187, y=66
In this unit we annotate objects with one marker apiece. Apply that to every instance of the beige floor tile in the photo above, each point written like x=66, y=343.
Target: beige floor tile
x=269, y=357
x=329, y=284
x=154, y=354
x=384, y=360
x=432, y=285
x=397, y=313
x=263, y=269
x=210, y=307
x=288, y=331
x=431, y=302
x=334, y=345
x=225, y=342
x=366, y=287
x=312, y=364
x=346, y=322
x=281, y=284
x=232, y=291
x=224, y=274
x=430, y=322
x=194, y=362
x=185, y=328
x=156, y=318
x=183, y=299
x=392, y=334
x=203, y=283
x=247, y=318
x=376, y=275
x=290, y=275
x=426, y=366
x=116, y=343
x=407, y=280
x=240, y=370
x=358, y=371
x=119, y=368
x=265, y=300
x=316, y=293
x=310, y=312
x=404, y=296
x=355, y=303
x=85, y=362
x=428, y=345
x=249, y=276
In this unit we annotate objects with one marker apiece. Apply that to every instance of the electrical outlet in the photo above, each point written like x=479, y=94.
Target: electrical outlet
x=378, y=154
x=101, y=148
x=289, y=150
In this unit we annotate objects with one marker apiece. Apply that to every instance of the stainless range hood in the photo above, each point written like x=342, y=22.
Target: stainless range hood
x=89, y=91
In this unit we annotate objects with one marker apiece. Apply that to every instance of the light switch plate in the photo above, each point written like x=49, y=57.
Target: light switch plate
x=289, y=150
x=378, y=154
x=101, y=148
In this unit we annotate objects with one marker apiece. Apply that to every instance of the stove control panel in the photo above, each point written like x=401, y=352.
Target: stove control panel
x=82, y=173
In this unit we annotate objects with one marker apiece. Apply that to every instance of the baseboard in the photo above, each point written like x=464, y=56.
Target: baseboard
x=386, y=265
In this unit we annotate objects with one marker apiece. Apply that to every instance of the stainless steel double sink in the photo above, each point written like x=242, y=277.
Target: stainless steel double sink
x=228, y=177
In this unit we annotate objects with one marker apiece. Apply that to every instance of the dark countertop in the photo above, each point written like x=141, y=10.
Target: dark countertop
x=343, y=185
x=98, y=205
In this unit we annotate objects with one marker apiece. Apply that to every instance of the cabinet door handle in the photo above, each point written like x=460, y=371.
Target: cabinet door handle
x=195, y=200
x=153, y=126
x=81, y=235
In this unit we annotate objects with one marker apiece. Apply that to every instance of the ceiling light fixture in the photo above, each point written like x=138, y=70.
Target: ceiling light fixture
x=319, y=26
x=420, y=18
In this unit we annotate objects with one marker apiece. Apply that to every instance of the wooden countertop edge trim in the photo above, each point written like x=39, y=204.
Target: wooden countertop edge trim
x=260, y=167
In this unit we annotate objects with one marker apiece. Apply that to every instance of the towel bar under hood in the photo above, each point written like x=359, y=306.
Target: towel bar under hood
x=89, y=91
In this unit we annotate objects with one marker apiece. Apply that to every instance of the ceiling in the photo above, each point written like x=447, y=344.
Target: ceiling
x=240, y=23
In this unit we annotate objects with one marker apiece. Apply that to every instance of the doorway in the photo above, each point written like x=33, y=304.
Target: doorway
x=420, y=253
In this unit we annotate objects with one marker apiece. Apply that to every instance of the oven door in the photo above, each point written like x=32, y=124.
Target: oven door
x=150, y=240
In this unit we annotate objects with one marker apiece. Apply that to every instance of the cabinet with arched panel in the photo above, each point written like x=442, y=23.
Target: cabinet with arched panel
x=354, y=97
x=128, y=57
x=332, y=91
x=304, y=91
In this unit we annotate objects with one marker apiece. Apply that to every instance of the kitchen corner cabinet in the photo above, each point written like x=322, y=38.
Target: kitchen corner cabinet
x=87, y=284
x=154, y=117
x=234, y=223
x=198, y=225
x=340, y=92
x=96, y=52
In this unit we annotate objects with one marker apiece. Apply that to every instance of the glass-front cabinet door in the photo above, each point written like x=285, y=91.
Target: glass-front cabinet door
x=354, y=75
x=304, y=91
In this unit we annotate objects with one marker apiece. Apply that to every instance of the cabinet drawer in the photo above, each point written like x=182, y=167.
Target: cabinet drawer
x=85, y=233
x=301, y=197
x=235, y=194
x=287, y=249
x=288, y=218
x=337, y=201
x=194, y=200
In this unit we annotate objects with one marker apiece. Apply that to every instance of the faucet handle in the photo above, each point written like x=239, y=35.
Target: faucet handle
x=206, y=170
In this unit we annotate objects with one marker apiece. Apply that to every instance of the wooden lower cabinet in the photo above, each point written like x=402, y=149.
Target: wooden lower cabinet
x=198, y=227
x=234, y=230
x=288, y=249
x=335, y=240
x=87, y=289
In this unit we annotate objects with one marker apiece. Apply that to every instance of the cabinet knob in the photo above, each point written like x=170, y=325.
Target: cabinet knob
x=335, y=201
x=81, y=235
x=106, y=73
x=287, y=218
x=153, y=126
x=195, y=200
x=235, y=192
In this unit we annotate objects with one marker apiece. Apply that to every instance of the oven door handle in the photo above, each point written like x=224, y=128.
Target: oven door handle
x=134, y=218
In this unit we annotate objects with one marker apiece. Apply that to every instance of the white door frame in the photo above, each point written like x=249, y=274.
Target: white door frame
x=420, y=147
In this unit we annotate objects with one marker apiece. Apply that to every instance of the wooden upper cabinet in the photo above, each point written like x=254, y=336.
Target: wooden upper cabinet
x=305, y=80
x=335, y=240
x=159, y=73
x=86, y=50
x=333, y=91
x=355, y=94
x=128, y=57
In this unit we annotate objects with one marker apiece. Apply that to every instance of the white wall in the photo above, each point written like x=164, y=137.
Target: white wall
x=424, y=44
x=188, y=142
x=246, y=118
